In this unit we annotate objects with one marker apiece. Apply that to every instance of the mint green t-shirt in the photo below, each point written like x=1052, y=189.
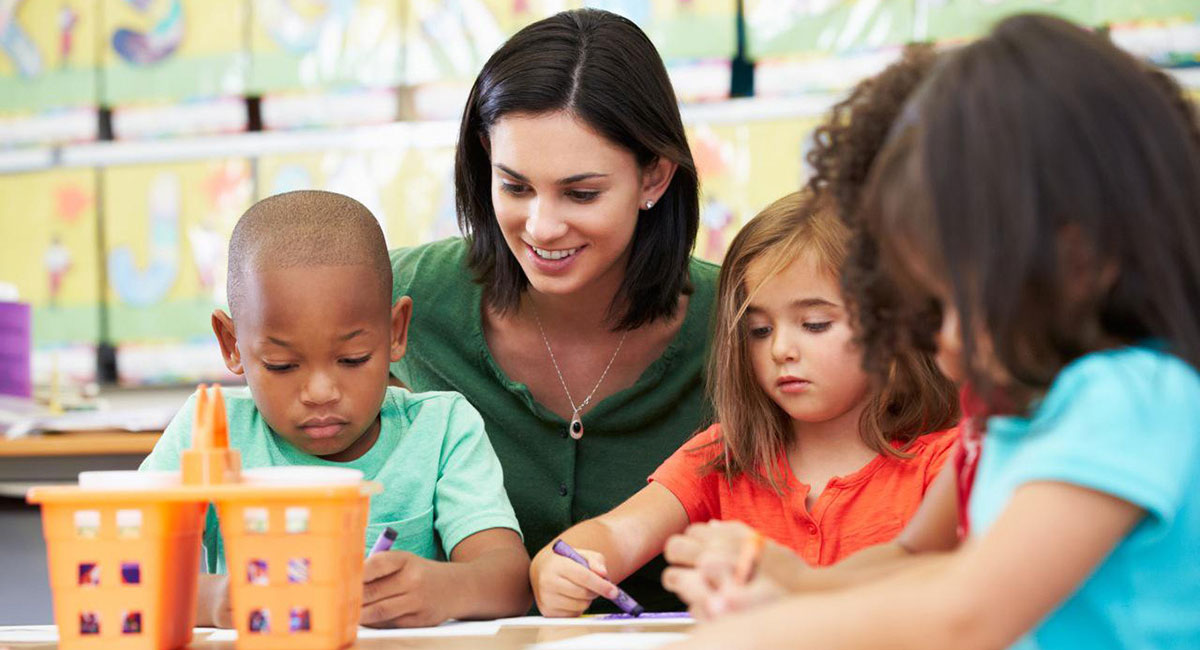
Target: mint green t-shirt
x=553, y=480
x=441, y=480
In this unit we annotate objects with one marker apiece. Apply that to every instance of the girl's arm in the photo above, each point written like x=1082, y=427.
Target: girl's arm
x=1047, y=541
x=615, y=544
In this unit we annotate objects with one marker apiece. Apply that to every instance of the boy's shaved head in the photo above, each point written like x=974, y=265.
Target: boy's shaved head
x=306, y=228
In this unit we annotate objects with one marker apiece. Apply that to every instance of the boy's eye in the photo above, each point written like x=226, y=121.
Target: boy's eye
x=278, y=367
x=356, y=361
x=818, y=327
x=583, y=196
x=514, y=189
x=760, y=332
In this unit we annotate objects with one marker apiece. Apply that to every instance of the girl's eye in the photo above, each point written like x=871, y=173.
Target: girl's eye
x=514, y=189
x=356, y=361
x=278, y=367
x=818, y=327
x=760, y=332
x=583, y=196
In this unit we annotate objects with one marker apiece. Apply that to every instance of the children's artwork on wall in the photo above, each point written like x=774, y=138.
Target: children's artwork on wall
x=428, y=198
x=809, y=27
x=166, y=231
x=371, y=177
x=325, y=44
x=173, y=50
x=451, y=39
x=50, y=220
x=47, y=55
x=960, y=20
x=682, y=30
x=743, y=168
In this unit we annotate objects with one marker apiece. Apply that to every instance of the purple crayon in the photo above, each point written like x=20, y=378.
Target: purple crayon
x=627, y=604
x=386, y=538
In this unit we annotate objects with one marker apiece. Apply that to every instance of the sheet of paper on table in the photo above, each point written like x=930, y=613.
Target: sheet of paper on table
x=449, y=628
x=613, y=641
x=649, y=618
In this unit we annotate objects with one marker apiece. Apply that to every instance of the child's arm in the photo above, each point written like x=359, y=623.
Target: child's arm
x=485, y=578
x=615, y=544
x=712, y=549
x=1047, y=541
x=213, y=608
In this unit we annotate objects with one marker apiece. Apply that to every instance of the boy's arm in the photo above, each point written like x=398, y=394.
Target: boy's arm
x=615, y=545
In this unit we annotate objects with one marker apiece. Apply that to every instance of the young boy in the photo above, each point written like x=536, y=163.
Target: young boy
x=313, y=329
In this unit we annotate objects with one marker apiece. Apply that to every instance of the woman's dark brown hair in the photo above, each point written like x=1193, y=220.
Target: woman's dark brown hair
x=602, y=69
x=1052, y=183
x=911, y=399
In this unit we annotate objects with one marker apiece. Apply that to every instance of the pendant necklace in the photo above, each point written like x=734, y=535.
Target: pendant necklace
x=576, y=427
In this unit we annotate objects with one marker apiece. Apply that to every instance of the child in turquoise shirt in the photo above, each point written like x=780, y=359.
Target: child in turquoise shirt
x=312, y=328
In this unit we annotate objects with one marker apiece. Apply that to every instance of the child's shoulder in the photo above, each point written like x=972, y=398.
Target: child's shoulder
x=1131, y=377
x=442, y=409
x=934, y=443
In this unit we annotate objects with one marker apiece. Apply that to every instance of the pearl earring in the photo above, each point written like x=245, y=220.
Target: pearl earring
x=649, y=204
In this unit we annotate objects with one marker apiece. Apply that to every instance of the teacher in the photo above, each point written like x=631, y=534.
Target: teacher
x=571, y=313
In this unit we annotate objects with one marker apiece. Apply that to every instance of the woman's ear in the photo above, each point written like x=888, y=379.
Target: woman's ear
x=656, y=177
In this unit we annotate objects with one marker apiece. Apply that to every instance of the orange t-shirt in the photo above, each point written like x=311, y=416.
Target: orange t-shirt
x=867, y=507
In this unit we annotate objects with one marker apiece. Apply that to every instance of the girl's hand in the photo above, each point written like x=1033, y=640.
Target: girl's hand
x=709, y=596
x=564, y=588
x=401, y=589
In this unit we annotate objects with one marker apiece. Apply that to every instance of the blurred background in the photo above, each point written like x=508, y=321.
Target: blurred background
x=133, y=134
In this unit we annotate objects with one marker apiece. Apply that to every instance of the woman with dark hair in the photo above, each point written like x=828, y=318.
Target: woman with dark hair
x=571, y=314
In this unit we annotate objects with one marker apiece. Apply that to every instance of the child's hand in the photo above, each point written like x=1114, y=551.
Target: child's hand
x=401, y=589
x=213, y=602
x=565, y=588
x=708, y=597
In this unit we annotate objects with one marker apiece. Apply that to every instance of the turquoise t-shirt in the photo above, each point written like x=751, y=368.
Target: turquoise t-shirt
x=441, y=480
x=1124, y=422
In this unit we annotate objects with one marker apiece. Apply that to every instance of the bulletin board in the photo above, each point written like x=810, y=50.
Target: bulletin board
x=776, y=28
x=47, y=55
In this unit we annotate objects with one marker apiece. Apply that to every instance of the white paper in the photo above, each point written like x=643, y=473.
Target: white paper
x=614, y=641
x=449, y=628
x=594, y=620
x=29, y=634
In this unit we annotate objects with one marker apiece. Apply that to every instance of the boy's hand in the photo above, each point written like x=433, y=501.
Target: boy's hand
x=563, y=587
x=401, y=589
x=213, y=602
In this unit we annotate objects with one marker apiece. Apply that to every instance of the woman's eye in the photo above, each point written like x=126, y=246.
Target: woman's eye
x=818, y=327
x=356, y=361
x=583, y=196
x=514, y=189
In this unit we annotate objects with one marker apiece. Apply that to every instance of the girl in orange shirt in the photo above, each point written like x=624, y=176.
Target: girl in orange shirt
x=809, y=450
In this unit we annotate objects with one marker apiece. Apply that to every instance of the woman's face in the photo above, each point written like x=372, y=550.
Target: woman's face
x=566, y=200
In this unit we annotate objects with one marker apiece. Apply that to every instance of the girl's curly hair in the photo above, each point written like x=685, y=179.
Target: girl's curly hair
x=843, y=150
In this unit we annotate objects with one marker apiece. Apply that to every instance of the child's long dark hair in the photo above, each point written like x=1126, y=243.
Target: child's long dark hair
x=1053, y=183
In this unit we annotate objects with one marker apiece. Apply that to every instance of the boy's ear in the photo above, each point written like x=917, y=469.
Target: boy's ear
x=401, y=316
x=222, y=324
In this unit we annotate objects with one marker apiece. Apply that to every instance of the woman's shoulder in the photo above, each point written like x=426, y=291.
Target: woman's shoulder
x=704, y=276
x=437, y=266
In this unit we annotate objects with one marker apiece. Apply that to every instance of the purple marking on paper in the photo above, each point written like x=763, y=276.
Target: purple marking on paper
x=645, y=615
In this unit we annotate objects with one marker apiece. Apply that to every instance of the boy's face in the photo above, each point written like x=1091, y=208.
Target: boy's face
x=314, y=343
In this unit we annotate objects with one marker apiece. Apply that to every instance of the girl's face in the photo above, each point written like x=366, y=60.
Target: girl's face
x=801, y=344
x=567, y=200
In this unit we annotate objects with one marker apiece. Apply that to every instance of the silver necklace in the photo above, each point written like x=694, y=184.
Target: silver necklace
x=576, y=428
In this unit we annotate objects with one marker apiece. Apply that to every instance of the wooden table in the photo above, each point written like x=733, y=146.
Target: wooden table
x=508, y=638
x=79, y=443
